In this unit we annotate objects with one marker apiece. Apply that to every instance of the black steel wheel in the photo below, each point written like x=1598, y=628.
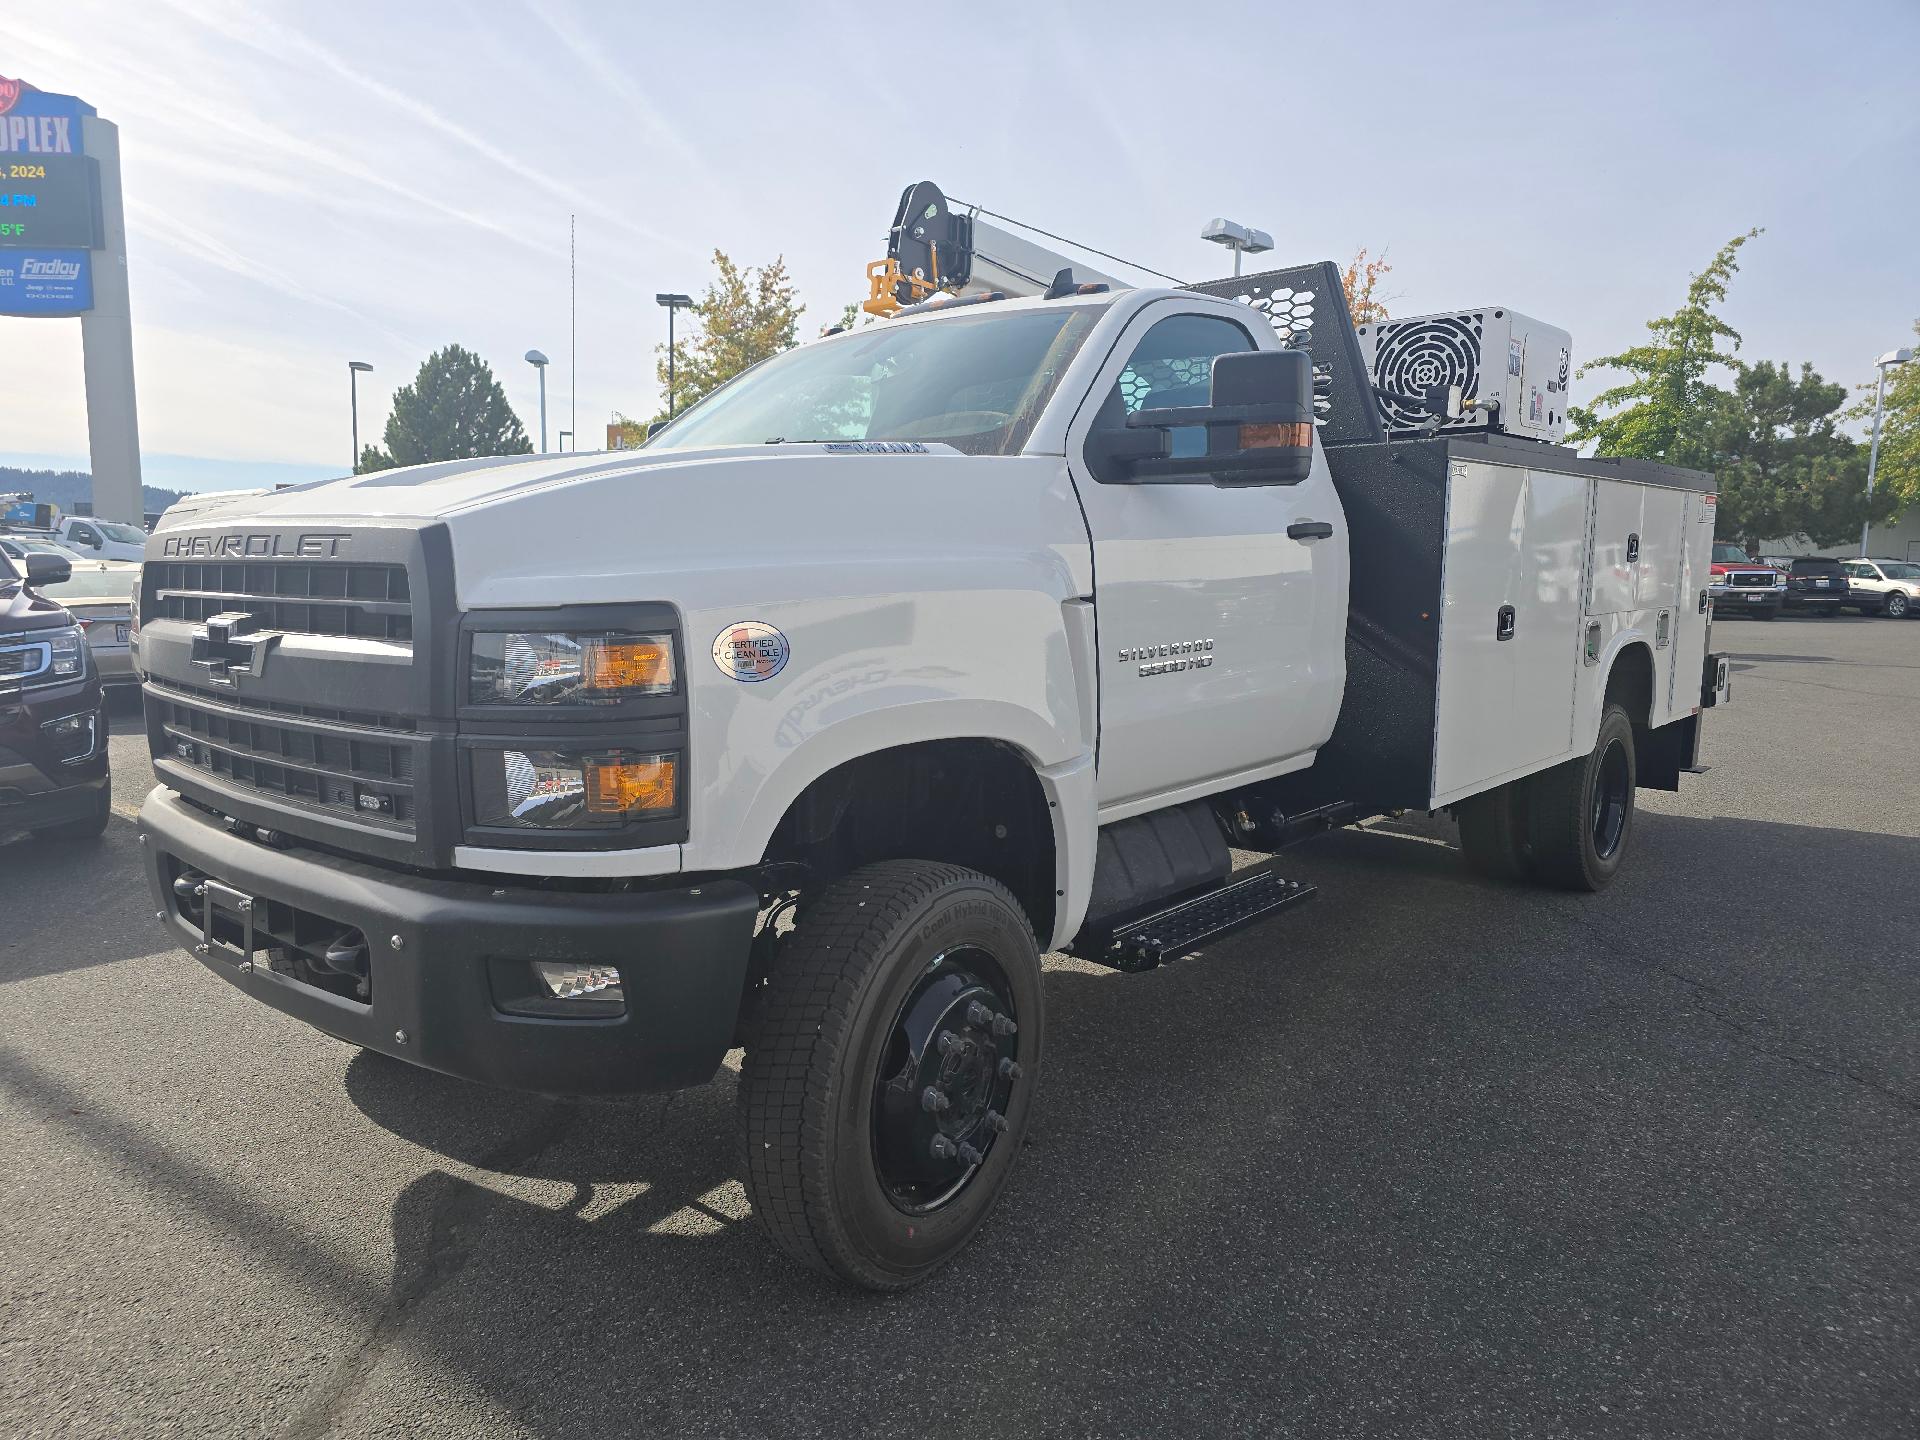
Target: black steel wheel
x=891, y=1071
x=1582, y=812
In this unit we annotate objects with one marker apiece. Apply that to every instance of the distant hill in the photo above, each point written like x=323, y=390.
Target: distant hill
x=70, y=489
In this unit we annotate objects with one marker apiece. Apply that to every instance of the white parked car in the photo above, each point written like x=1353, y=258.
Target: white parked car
x=1884, y=587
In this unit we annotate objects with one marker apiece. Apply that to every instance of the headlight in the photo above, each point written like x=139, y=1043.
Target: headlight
x=529, y=668
x=69, y=651
x=572, y=790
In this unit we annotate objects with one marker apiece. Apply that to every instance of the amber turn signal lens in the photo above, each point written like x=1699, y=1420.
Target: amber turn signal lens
x=1267, y=437
x=618, y=663
x=642, y=782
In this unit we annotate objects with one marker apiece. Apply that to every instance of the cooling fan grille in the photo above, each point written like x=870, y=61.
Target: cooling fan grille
x=1411, y=356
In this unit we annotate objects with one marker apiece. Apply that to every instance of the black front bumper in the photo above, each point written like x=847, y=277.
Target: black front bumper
x=436, y=946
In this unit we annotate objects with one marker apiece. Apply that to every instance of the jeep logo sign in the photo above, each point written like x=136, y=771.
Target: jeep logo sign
x=320, y=546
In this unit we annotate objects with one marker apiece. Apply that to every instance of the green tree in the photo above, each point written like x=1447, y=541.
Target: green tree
x=746, y=315
x=453, y=410
x=1899, y=474
x=1667, y=409
x=1783, y=466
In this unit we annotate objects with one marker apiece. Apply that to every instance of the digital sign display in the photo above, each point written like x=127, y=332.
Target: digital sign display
x=49, y=200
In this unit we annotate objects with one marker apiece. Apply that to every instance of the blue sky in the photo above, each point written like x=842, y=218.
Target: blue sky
x=308, y=184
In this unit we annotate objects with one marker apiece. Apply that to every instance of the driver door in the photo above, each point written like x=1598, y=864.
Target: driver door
x=1220, y=612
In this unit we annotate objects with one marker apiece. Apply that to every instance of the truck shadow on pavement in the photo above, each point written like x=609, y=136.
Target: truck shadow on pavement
x=1429, y=1151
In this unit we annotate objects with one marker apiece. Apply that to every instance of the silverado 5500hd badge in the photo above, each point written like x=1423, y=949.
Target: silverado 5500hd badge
x=749, y=651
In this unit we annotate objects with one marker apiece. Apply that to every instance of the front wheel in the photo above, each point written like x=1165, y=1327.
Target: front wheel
x=90, y=826
x=891, y=1074
x=1582, y=812
x=1896, y=607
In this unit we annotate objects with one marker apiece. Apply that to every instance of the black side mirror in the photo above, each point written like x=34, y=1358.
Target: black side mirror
x=45, y=569
x=1259, y=426
x=656, y=426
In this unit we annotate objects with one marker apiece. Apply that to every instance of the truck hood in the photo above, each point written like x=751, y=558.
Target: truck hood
x=720, y=526
x=427, y=492
x=24, y=609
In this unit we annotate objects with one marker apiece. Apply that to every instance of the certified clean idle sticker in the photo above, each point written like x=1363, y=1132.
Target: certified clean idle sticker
x=750, y=652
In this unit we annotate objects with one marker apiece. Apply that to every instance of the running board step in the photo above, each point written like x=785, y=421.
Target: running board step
x=1193, y=923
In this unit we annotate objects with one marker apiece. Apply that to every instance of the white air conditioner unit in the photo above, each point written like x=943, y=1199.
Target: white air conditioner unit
x=1492, y=354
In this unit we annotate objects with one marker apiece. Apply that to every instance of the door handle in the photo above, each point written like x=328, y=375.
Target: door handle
x=1309, y=530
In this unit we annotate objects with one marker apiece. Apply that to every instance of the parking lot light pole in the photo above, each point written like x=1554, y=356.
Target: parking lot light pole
x=355, y=369
x=1241, y=239
x=1882, y=365
x=539, y=362
x=672, y=303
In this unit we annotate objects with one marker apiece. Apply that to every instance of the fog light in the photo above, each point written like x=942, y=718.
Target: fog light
x=577, y=982
x=71, y=736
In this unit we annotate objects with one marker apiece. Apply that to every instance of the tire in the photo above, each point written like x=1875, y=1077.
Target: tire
x=90, y=826
x=1494, y=832
x=1581, y=818
x=842, y=1157
x=1896, y=606
x=1770, y=612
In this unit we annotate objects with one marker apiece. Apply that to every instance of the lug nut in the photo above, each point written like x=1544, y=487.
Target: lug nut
x=1010, y=1070
x=978, y=1014
x=970, y=1155
x=933, y=1099
x=948, y=1042
x=941, y=1148
x=1003, y=1026
x=996, y=1122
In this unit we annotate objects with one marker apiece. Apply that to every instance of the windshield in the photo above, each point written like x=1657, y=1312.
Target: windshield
x=975, y=382
x=125, y=534
x=1899, y=571
x=1725, y=552
x=95, y=584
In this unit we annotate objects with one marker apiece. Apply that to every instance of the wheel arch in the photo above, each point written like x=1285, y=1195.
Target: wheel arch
x=979, y=801
x=1630, y=681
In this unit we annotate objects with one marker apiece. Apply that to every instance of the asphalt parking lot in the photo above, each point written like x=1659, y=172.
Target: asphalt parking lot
x=1429, y=1157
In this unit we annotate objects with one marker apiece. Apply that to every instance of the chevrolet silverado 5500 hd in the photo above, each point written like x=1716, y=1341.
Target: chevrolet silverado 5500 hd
x=909, y=654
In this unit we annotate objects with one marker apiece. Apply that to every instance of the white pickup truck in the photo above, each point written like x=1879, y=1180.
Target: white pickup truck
x=909, y=655
x=94, y=539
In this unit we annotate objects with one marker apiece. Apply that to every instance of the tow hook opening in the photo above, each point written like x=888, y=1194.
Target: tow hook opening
x=255, y=933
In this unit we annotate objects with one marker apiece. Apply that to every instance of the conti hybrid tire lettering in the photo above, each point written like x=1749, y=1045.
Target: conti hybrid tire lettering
x=891, y=1075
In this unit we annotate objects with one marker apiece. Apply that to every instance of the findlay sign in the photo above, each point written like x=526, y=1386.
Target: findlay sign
x=50, y=212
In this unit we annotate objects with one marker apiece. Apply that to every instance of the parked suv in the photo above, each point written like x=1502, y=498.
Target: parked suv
x=53, y=715
x=1743, y=585
x=1816, y=584
x=1884, y=587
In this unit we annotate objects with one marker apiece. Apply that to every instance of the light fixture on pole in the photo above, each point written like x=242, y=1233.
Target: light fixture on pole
x=672, y=303
x=1241, y=239
x=539, y=362
x=355, y=369
x=1882, y=365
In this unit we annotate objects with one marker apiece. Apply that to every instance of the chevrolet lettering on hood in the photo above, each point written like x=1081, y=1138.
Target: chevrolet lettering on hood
x=324, y=545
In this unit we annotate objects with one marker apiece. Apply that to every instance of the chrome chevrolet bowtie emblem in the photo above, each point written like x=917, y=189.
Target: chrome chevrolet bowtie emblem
x=229, y=645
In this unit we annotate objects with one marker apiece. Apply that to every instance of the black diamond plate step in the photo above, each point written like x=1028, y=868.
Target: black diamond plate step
x=1191, y=924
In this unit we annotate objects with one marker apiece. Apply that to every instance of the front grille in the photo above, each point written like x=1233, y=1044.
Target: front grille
x=21, y=660
x=1753, y=579
x=300, y=597
x=344, y=769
